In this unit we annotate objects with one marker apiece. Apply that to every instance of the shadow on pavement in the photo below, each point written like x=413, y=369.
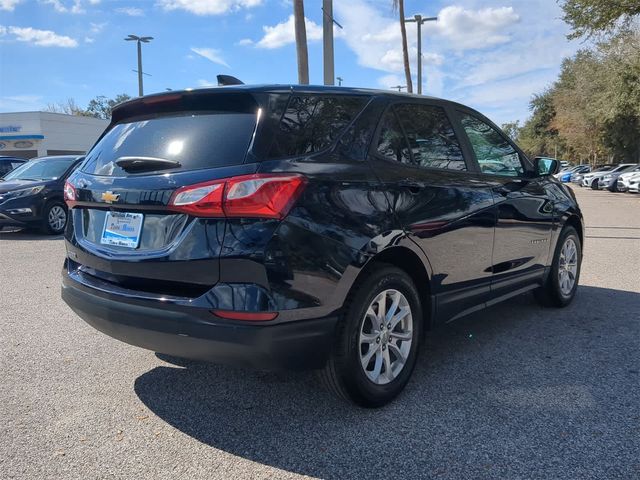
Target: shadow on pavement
x=10, y=233
x=514, y=391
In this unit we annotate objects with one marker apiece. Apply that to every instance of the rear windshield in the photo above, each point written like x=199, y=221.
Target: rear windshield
x=196, y=141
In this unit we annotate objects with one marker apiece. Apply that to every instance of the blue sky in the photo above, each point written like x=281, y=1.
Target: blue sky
x=491, y=54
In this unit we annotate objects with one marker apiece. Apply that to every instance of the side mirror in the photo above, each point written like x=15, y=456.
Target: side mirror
x=546, y=166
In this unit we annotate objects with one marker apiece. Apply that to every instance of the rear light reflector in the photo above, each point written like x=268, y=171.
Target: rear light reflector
x=248, y=196
x=248, y=316
x=69, y=193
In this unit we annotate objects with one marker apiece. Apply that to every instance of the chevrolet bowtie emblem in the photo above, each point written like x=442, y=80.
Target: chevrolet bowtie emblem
x=110, y=197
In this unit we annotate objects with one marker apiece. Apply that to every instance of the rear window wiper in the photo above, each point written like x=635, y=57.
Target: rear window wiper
x=139, y=164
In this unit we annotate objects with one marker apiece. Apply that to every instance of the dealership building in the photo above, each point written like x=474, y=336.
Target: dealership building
x=35, y=134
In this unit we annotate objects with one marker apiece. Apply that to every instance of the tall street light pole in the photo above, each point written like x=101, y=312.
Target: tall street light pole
x=419, y=20
x=139, y=41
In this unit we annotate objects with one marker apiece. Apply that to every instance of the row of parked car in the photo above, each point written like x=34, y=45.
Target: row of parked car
x=623, y=177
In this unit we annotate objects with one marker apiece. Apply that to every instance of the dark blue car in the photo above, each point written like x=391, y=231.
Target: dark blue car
x=31, y=195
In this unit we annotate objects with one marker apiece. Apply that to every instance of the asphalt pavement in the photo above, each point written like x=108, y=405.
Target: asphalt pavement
x=515, y=391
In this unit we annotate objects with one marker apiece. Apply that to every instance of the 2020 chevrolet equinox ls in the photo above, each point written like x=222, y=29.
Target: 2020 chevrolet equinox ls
x=309, y=227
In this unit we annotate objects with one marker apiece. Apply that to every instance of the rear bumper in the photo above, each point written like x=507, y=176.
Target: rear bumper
x=195, y=333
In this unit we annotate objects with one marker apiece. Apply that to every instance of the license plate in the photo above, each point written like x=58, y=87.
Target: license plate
x=122, y=229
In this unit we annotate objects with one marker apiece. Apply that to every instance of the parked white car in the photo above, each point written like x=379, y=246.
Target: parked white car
x=625, y=178
x=634, y=184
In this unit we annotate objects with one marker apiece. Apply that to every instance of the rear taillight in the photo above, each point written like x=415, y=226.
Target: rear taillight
x=69, y=193
x=249, y=196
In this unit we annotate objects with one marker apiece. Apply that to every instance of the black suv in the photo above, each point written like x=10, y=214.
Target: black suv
x=309, y=227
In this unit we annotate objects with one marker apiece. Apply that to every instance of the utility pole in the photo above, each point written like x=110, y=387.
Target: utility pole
x=301, y=42
x=340, y=80
x=419, y=20
x=139, y=41
x=327, y=41
x=399, y=87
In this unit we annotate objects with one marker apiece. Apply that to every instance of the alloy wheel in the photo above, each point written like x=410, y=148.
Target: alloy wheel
x=386, y=334
x=568, y=266
x=57, y=218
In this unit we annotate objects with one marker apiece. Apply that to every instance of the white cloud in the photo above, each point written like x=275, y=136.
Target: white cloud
x=211, y=54
x=206, y=83
x=208, y=7
x=390, y=81
x=283, y=33
x=89, y=40
x=42, y=38
x=469, y=29
x=245, y=41
x=76, y=6
x=130, y=11
x=9, y=5
x=97, y=27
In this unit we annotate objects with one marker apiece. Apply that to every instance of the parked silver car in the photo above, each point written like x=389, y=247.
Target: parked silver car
x=586, y=178
x=610, y=180
x=593, y=179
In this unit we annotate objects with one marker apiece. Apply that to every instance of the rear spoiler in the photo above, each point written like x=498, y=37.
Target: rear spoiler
x=214, y=100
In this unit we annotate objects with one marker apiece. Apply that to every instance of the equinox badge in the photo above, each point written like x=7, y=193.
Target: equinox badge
x=110, y=197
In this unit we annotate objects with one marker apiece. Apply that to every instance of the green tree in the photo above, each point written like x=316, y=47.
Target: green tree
x=512, y=129
x=593, y=17
x=537, y=136
x=101, y=106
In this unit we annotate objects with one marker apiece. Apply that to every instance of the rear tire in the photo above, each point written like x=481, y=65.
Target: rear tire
x=365, y=366
x=562, y=281
x=54, y=218
x=595, y=184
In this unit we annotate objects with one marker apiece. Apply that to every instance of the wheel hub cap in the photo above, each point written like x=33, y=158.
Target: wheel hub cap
x=386, y=334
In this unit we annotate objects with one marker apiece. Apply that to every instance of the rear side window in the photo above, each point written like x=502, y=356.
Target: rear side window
x=431, y=138
x=196, y=141
x=312, y=123
x=420, y=135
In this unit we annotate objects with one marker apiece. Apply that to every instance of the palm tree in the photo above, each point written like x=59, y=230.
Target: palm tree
x=399, y=5
x=301, y=42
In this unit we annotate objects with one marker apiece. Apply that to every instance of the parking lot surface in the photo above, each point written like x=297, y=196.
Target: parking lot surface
x=515, y=391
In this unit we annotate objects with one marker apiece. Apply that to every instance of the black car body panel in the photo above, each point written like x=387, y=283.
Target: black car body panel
x=468, y=237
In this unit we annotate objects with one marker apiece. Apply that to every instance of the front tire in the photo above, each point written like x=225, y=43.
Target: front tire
x=377, y=339
x=595, y=185
x=54, y=218
x=562, y=282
